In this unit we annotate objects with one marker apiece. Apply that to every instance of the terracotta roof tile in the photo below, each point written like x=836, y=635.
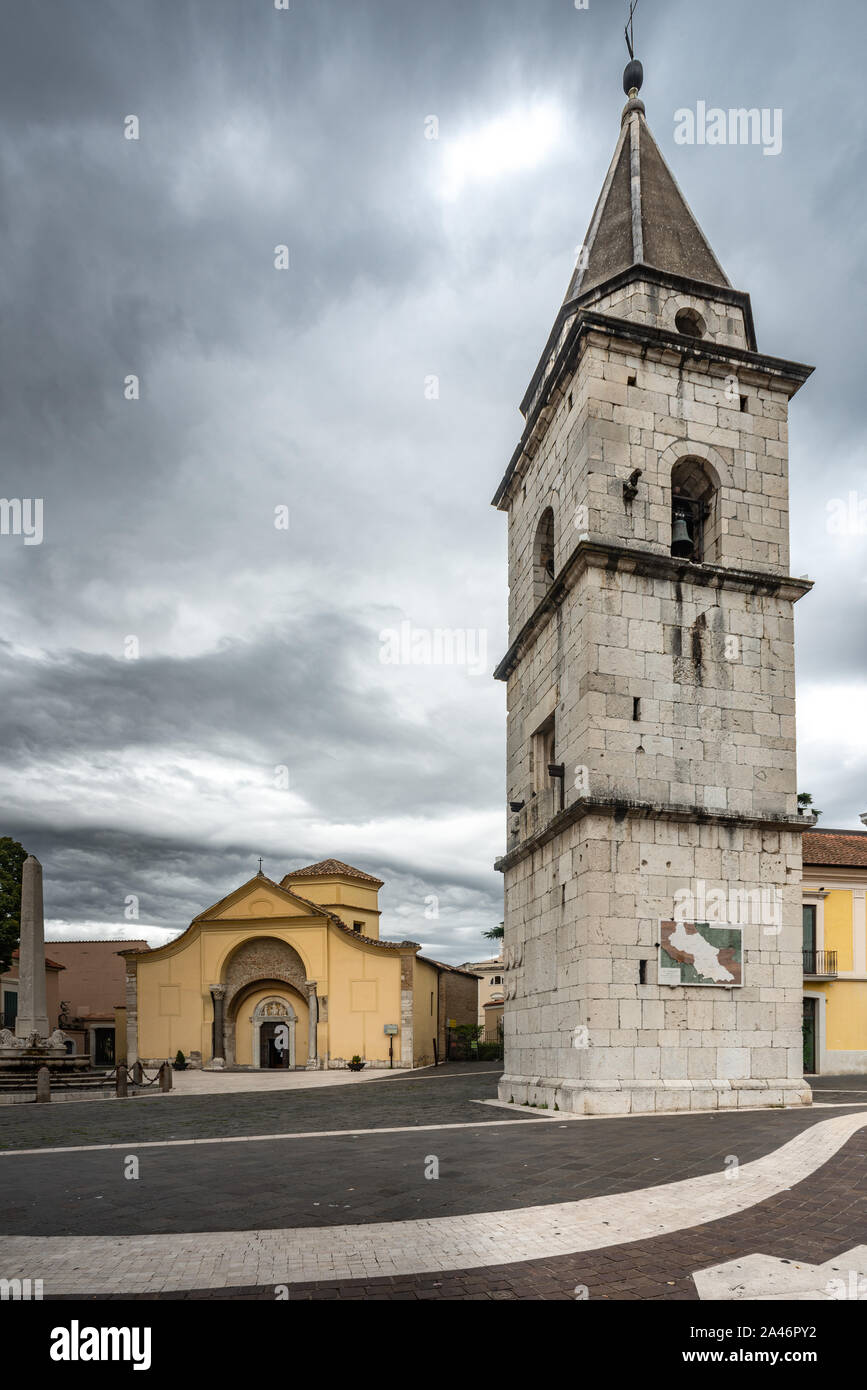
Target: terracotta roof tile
x=52, y=964
x=452, y=969
x=97, y=941
x=327, y=868
x=826, y=848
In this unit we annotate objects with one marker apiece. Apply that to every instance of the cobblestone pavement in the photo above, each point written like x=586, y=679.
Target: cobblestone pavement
x=827, y=1086
x=816, y=1220
x=432, y=1096
x=490, y=1161
x=377, y=1177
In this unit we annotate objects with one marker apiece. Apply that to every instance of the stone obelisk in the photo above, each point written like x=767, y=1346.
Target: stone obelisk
x=32, y=1006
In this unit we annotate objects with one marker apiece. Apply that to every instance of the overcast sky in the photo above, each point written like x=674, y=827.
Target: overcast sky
x=160, y=775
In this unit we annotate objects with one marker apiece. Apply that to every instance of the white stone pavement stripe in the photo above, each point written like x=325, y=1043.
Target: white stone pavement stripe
x=837, y=1105
x=449, y=1075
x=133, y=1145
x=839, y=1091
x=526, y=1113
x=224, y=1259
x=768, y=1278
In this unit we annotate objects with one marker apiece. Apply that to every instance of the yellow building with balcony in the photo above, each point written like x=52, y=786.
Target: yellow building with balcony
x=835, y=951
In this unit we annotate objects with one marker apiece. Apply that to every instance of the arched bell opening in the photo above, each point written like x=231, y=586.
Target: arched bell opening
x=695, y=519
x=543, y=555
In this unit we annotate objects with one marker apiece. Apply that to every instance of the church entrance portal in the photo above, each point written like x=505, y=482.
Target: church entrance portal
x=274, y=1023
x=274, y=1046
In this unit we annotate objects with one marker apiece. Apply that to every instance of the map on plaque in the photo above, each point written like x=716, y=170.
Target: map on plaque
x=696, y=953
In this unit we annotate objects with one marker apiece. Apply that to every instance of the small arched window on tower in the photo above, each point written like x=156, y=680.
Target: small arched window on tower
x=695, y=511
x=543, y=555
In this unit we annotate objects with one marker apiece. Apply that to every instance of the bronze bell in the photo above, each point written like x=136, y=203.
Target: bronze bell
x=681, y=541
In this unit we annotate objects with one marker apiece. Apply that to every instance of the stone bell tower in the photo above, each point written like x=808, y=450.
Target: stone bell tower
x=653, y=864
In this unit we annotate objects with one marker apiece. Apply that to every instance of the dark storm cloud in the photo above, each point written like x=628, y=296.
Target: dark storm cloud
x=174, y=880
x=293, y=699
x=262, y=388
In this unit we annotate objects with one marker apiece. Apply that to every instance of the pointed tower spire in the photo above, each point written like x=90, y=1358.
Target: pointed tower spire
x=641, y=217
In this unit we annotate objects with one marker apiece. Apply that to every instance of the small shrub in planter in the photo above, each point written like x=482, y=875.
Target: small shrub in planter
x=180, y=1061
x=356, y=1063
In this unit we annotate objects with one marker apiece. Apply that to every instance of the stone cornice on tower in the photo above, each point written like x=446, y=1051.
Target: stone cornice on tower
x=622, y=808
x=571, y=309
x=557, y=366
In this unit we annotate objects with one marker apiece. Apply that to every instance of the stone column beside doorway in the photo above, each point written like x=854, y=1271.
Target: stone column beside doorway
x=312, y=1021
x=218, y=1029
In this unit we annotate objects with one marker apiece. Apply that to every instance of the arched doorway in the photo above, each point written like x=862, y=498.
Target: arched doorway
x=274, y=1021
x=258, y=970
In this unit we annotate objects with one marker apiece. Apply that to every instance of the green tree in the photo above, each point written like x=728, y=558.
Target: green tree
x=466, y=1037
x=495, y=934
x=12, y=856
x=805, y=805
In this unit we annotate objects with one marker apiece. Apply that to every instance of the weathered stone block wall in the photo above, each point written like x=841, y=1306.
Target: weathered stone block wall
x=584, y=911
x=263, y=958
x=671, y=412
x=553, y=481
x=642, y=301
x=712, y=670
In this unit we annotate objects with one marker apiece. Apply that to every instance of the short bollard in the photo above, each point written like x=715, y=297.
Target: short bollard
x=137, y=1074
x=43, y=1084
x=165, y=1077
x=120, y=1085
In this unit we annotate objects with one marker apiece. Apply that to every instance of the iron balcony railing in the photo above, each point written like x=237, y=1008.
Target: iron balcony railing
x=820, y=962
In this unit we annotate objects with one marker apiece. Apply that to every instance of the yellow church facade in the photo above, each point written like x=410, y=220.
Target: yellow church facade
x=293, y=974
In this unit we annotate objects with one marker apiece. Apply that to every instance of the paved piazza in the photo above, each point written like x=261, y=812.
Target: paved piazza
x=422, y=1187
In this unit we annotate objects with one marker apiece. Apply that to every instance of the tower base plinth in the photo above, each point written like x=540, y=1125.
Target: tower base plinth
x=651, y=1096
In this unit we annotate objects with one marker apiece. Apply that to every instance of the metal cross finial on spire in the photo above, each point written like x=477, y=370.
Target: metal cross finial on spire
x=260, y=863
x=634, y=74
x=628, y=31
